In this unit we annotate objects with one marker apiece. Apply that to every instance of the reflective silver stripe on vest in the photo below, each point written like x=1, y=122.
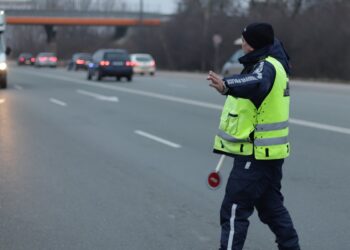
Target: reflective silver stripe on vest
x=271, y=126
x=230, y=138
x=270, y=141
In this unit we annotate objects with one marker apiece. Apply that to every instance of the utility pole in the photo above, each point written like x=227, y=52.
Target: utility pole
x=141, y=12
x=217, y=40
x=206, y=17
x=140, y=23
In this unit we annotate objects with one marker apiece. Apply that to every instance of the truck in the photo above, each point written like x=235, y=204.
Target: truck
x=4, y=51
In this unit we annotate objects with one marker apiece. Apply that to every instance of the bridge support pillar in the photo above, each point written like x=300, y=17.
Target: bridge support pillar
x=50, y=33
x=120, y=32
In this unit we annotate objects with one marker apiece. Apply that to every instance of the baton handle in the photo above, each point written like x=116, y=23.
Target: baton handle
x=221, y=161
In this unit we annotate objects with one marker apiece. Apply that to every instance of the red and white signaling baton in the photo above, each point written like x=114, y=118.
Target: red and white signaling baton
x=214, y=178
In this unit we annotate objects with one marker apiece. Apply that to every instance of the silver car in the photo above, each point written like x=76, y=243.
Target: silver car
x=46, y=59
x=232, y=66
x=143, y=64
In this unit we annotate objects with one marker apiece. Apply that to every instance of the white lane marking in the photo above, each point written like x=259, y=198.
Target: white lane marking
x=2, y=101
x=98, y=96
x=321, y=85
x=320, y=126
x=158, y=139
x=187, y=101
x=132, y=91
x=18, y=87
x=58, y=102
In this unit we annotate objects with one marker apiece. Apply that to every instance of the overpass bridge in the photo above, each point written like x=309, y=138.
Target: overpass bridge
x=49, y=18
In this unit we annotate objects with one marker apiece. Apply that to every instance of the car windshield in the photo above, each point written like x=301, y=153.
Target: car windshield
x=145, y=58
x=115, y=56
x=25, y=55
x=47, y=54
x=82, y=56
x=85, y=57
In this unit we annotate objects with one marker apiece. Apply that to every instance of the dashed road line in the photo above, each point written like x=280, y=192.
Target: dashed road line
x=98, y=96
x=158, y=139
x=58, y=102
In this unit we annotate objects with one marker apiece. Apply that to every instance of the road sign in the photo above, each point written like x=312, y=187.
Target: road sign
x=214, y=180
x=217, y=40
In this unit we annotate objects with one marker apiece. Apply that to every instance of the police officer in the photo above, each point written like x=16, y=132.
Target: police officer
x=254, y=131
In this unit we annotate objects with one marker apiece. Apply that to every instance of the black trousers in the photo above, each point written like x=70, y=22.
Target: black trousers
x=255, y=184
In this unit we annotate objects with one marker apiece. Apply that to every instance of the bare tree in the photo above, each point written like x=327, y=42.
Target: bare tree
x=296, y=7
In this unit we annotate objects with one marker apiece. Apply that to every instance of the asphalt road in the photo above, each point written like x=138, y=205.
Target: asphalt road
x=118, y=165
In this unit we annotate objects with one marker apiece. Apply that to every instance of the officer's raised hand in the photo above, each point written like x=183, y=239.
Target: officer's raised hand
x=217, y=82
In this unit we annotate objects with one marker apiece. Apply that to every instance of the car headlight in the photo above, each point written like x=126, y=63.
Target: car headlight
x=3, y=66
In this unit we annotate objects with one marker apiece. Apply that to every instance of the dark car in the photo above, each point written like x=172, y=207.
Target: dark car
x=79, y=61
x=26, y=59
x=46, y=59
x=110, y=62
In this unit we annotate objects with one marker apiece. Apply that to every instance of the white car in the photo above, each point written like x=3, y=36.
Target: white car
x=232, y=66
x=46, y=59
x=143, y=64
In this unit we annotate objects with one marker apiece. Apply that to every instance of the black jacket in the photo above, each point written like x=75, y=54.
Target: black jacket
x=258, y=76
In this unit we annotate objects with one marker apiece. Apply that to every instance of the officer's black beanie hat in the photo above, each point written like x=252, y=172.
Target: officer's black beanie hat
x=258, y=35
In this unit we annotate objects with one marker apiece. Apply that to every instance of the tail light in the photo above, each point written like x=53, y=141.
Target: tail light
x=79, y=61
x=32, y=59
x=53, y=59
x=129, y=63
x=104, y=63
x=21, y=59
x=153, y=63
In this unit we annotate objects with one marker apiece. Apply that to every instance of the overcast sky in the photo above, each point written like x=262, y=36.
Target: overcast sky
x=164, y=6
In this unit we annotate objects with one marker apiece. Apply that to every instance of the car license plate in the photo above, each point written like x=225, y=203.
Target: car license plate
x=117, y=63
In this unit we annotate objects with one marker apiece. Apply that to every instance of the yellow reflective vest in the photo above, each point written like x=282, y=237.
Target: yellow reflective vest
x=263, y=132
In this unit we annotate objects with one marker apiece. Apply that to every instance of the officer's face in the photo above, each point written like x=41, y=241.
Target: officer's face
x=246, y=47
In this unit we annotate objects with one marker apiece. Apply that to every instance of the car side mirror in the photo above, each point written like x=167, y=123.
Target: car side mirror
x=8, y=50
